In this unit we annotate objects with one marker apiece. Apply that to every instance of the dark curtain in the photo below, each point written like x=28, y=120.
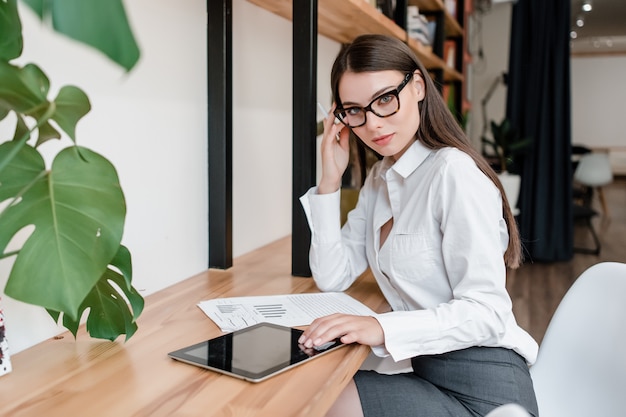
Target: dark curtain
x=538, y=105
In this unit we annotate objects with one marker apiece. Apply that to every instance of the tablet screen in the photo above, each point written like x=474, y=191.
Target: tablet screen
x=254, y=353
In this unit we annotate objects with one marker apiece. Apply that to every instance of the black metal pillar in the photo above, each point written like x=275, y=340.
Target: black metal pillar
x=400, y=13
x=220, y=131
x=304, y=126
x=440, y=35
x=458, y=60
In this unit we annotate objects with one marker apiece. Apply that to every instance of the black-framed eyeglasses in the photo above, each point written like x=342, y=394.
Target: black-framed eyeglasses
x=384, y=105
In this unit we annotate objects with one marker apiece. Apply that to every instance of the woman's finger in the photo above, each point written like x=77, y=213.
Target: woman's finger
x=361, y=329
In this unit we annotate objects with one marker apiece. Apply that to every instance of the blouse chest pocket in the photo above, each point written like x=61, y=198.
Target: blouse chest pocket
x=414, y=256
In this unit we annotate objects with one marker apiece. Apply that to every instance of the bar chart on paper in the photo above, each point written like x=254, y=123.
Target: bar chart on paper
x=291, y=310
x=238, y=311
x=271, y=311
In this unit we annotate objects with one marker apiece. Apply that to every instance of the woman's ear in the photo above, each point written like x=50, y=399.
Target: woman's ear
x=419, y=85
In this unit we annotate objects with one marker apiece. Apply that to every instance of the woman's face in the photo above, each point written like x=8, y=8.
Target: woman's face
x=392, y=135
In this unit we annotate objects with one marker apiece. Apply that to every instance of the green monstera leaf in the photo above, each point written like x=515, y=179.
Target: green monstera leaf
x=109, y=315
x=25, y=91
x=100, y=24
x=77, y=210
x=11, y=43
x=63, y=226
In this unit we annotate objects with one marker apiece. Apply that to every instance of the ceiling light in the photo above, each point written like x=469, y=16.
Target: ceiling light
x=573, y=34
x=580, y=21
x=587, y=6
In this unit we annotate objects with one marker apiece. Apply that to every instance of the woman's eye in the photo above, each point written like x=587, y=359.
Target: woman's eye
x=353, y=111
x=388, y=98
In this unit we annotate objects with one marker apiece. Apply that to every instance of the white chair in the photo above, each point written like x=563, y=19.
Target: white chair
x=581, y=368
x=594, y=171
x=509, y=410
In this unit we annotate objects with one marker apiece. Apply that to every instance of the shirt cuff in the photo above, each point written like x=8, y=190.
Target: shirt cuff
x=380, y=351
x=406, y=332
x=323, y=214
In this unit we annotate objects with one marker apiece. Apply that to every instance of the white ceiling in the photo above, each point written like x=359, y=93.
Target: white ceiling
x=604, y=29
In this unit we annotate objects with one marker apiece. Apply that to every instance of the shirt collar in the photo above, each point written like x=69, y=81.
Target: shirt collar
x=409, y=161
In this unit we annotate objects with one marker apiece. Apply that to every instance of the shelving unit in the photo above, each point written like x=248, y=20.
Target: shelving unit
x=342, y=21
x=452, y=26
x=450, y=30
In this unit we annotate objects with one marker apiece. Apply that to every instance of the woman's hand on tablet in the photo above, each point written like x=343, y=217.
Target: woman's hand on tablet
x=348, y=328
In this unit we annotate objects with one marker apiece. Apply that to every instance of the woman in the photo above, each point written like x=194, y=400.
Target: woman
x=433, y=224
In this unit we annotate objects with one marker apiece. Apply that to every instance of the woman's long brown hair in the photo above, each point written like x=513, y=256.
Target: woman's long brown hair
x=438, y=128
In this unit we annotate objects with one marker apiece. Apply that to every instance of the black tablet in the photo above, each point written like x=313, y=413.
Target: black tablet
x=254, y=353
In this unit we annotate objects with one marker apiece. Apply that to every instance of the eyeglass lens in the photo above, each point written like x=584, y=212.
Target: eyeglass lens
x=384, y=105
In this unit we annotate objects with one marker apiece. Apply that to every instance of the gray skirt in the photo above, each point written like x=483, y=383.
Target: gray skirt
x=468, y=382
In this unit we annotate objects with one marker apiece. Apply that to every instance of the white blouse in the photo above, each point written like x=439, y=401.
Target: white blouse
x=441, y=268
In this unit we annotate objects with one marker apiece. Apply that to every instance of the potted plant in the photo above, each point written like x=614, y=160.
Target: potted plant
x=508, y=145
x=73, y=211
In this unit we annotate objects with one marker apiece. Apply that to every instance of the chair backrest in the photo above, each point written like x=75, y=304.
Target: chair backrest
x=509, y=410
x=594, y=170
x=581, y=367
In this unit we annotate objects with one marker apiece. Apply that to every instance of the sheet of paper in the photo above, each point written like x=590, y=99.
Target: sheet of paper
x=290, y=310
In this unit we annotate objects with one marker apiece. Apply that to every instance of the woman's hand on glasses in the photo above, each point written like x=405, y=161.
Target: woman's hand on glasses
x=335, y=154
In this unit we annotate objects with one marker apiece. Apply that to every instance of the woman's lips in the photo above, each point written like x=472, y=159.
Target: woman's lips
x=382, y=140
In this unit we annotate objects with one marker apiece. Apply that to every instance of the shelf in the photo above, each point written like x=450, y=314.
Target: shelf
x=452, y=26
x=344, y=20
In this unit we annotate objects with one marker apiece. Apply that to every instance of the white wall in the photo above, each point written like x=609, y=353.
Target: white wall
x=492, y=30
x=262, y=123
x=261, y=127
x=152, y=124
x=598, y=91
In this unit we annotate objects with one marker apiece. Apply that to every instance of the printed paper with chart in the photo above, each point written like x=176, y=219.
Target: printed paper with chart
x=290, y=310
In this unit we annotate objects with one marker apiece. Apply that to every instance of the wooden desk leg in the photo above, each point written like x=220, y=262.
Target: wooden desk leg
x=605, y=207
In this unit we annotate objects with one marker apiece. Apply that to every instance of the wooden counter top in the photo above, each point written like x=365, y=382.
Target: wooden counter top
x=90, y=377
